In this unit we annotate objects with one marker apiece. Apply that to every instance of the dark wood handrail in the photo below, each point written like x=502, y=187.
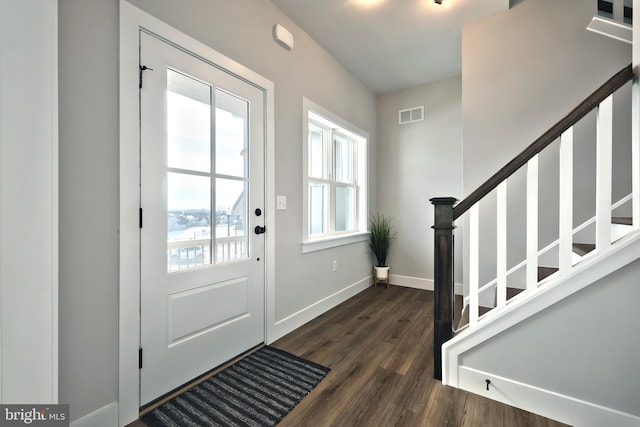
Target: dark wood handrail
x=591, y=102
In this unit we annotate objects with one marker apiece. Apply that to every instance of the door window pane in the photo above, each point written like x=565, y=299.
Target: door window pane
x=188, y=221
x=231, y=237
x=188, y=123
x=232, y=152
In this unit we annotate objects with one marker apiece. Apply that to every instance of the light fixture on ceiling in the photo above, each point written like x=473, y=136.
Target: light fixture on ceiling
x=437, y=1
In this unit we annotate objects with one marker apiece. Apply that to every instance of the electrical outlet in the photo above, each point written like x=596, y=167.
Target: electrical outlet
x=335, y=265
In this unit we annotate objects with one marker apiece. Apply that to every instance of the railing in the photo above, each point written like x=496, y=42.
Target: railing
x=447, y=212
x=187, y=254
x=618, y=10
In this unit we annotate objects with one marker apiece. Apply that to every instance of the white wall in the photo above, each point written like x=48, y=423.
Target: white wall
x=522, y=71
x=418, y=161
x=241, y=30
x=28, y=202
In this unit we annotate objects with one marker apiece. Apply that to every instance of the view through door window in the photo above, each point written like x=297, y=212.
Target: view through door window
x=207, y=166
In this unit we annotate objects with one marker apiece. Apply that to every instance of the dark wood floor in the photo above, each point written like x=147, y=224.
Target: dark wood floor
x=379, y=347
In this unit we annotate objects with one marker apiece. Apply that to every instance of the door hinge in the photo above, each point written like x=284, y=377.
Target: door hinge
x=142, y=68
x=140, y=358
x=140, y=217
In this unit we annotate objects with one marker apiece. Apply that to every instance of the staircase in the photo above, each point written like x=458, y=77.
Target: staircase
x=479, y=338
x=614, y=19
x=621, y=226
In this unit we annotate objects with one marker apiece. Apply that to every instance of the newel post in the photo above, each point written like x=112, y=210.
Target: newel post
x=442, y=278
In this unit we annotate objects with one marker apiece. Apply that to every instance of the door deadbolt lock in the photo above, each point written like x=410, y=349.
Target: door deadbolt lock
x=260, y=230
x=258, y=212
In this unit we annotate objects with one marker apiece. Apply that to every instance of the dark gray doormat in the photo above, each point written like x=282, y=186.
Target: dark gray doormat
x=258, y=390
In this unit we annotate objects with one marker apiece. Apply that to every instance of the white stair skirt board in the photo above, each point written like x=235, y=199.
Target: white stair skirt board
x=610, y=28
x=544, y=402
x=106, y=416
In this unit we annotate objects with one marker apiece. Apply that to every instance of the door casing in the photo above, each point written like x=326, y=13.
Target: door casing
x=131, y=20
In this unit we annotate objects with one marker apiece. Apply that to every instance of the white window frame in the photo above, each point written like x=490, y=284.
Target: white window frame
x=316, y=115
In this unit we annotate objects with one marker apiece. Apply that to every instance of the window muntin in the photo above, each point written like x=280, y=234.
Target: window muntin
x=202, y=120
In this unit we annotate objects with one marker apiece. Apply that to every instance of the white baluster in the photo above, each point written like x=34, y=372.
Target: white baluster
x=474, y=263
x=618, y=10
x=566, y=201
x=635, y=152
x=603, y=173
x=501, y=218
x=532, y=223
x=635, y=123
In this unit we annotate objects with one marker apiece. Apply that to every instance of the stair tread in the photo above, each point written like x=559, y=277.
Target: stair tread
x=465, y=316
x=462, y=318
x=583, y=248
x=512, y=292
x=458, y=305
x=544, y=272
x=623, y=220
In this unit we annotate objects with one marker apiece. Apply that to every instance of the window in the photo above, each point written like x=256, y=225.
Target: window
x=336, y=176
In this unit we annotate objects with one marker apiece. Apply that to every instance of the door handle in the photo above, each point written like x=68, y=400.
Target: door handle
x=260, y=230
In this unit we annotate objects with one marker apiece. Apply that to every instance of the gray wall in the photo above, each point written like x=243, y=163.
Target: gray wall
x=242, y=30
x=88, y=117
x=522, y=71
x=585, y=346
x=418, y=161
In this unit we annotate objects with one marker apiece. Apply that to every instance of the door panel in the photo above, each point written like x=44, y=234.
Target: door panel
x=184, y=326
x=202, y=270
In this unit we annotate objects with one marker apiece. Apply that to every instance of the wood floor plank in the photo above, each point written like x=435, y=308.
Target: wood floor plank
x=482, y=412
x=379, y=346
x=380, y=350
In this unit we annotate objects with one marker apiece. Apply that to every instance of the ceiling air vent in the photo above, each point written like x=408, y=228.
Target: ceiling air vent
x=410, y=115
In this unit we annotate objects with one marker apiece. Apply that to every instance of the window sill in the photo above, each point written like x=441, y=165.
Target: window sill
x=333, y=241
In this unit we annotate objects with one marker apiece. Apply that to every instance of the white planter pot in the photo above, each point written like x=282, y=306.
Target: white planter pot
x=382, y=273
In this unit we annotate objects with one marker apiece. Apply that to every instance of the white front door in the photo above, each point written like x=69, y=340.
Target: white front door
x=202, y=197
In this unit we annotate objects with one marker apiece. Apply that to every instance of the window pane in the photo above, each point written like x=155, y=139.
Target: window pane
x=232, y=148
x=317, y=152
x=343, y=159
x=345, y=208
x=317, y=208
x=188, y=221
x=231, y=240
x=188, y=123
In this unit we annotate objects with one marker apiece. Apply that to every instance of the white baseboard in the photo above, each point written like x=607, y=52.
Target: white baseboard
x=106, y=416
x=290, y=323
x=418, y=283
x=543, y=402
x=411, y=282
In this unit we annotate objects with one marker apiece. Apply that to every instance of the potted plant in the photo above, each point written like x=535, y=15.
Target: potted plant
x=380, y=238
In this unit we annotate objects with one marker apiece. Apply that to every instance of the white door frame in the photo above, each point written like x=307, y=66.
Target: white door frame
x=131, y=20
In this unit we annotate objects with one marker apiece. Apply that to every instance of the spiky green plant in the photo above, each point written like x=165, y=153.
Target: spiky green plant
x=380, y=237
